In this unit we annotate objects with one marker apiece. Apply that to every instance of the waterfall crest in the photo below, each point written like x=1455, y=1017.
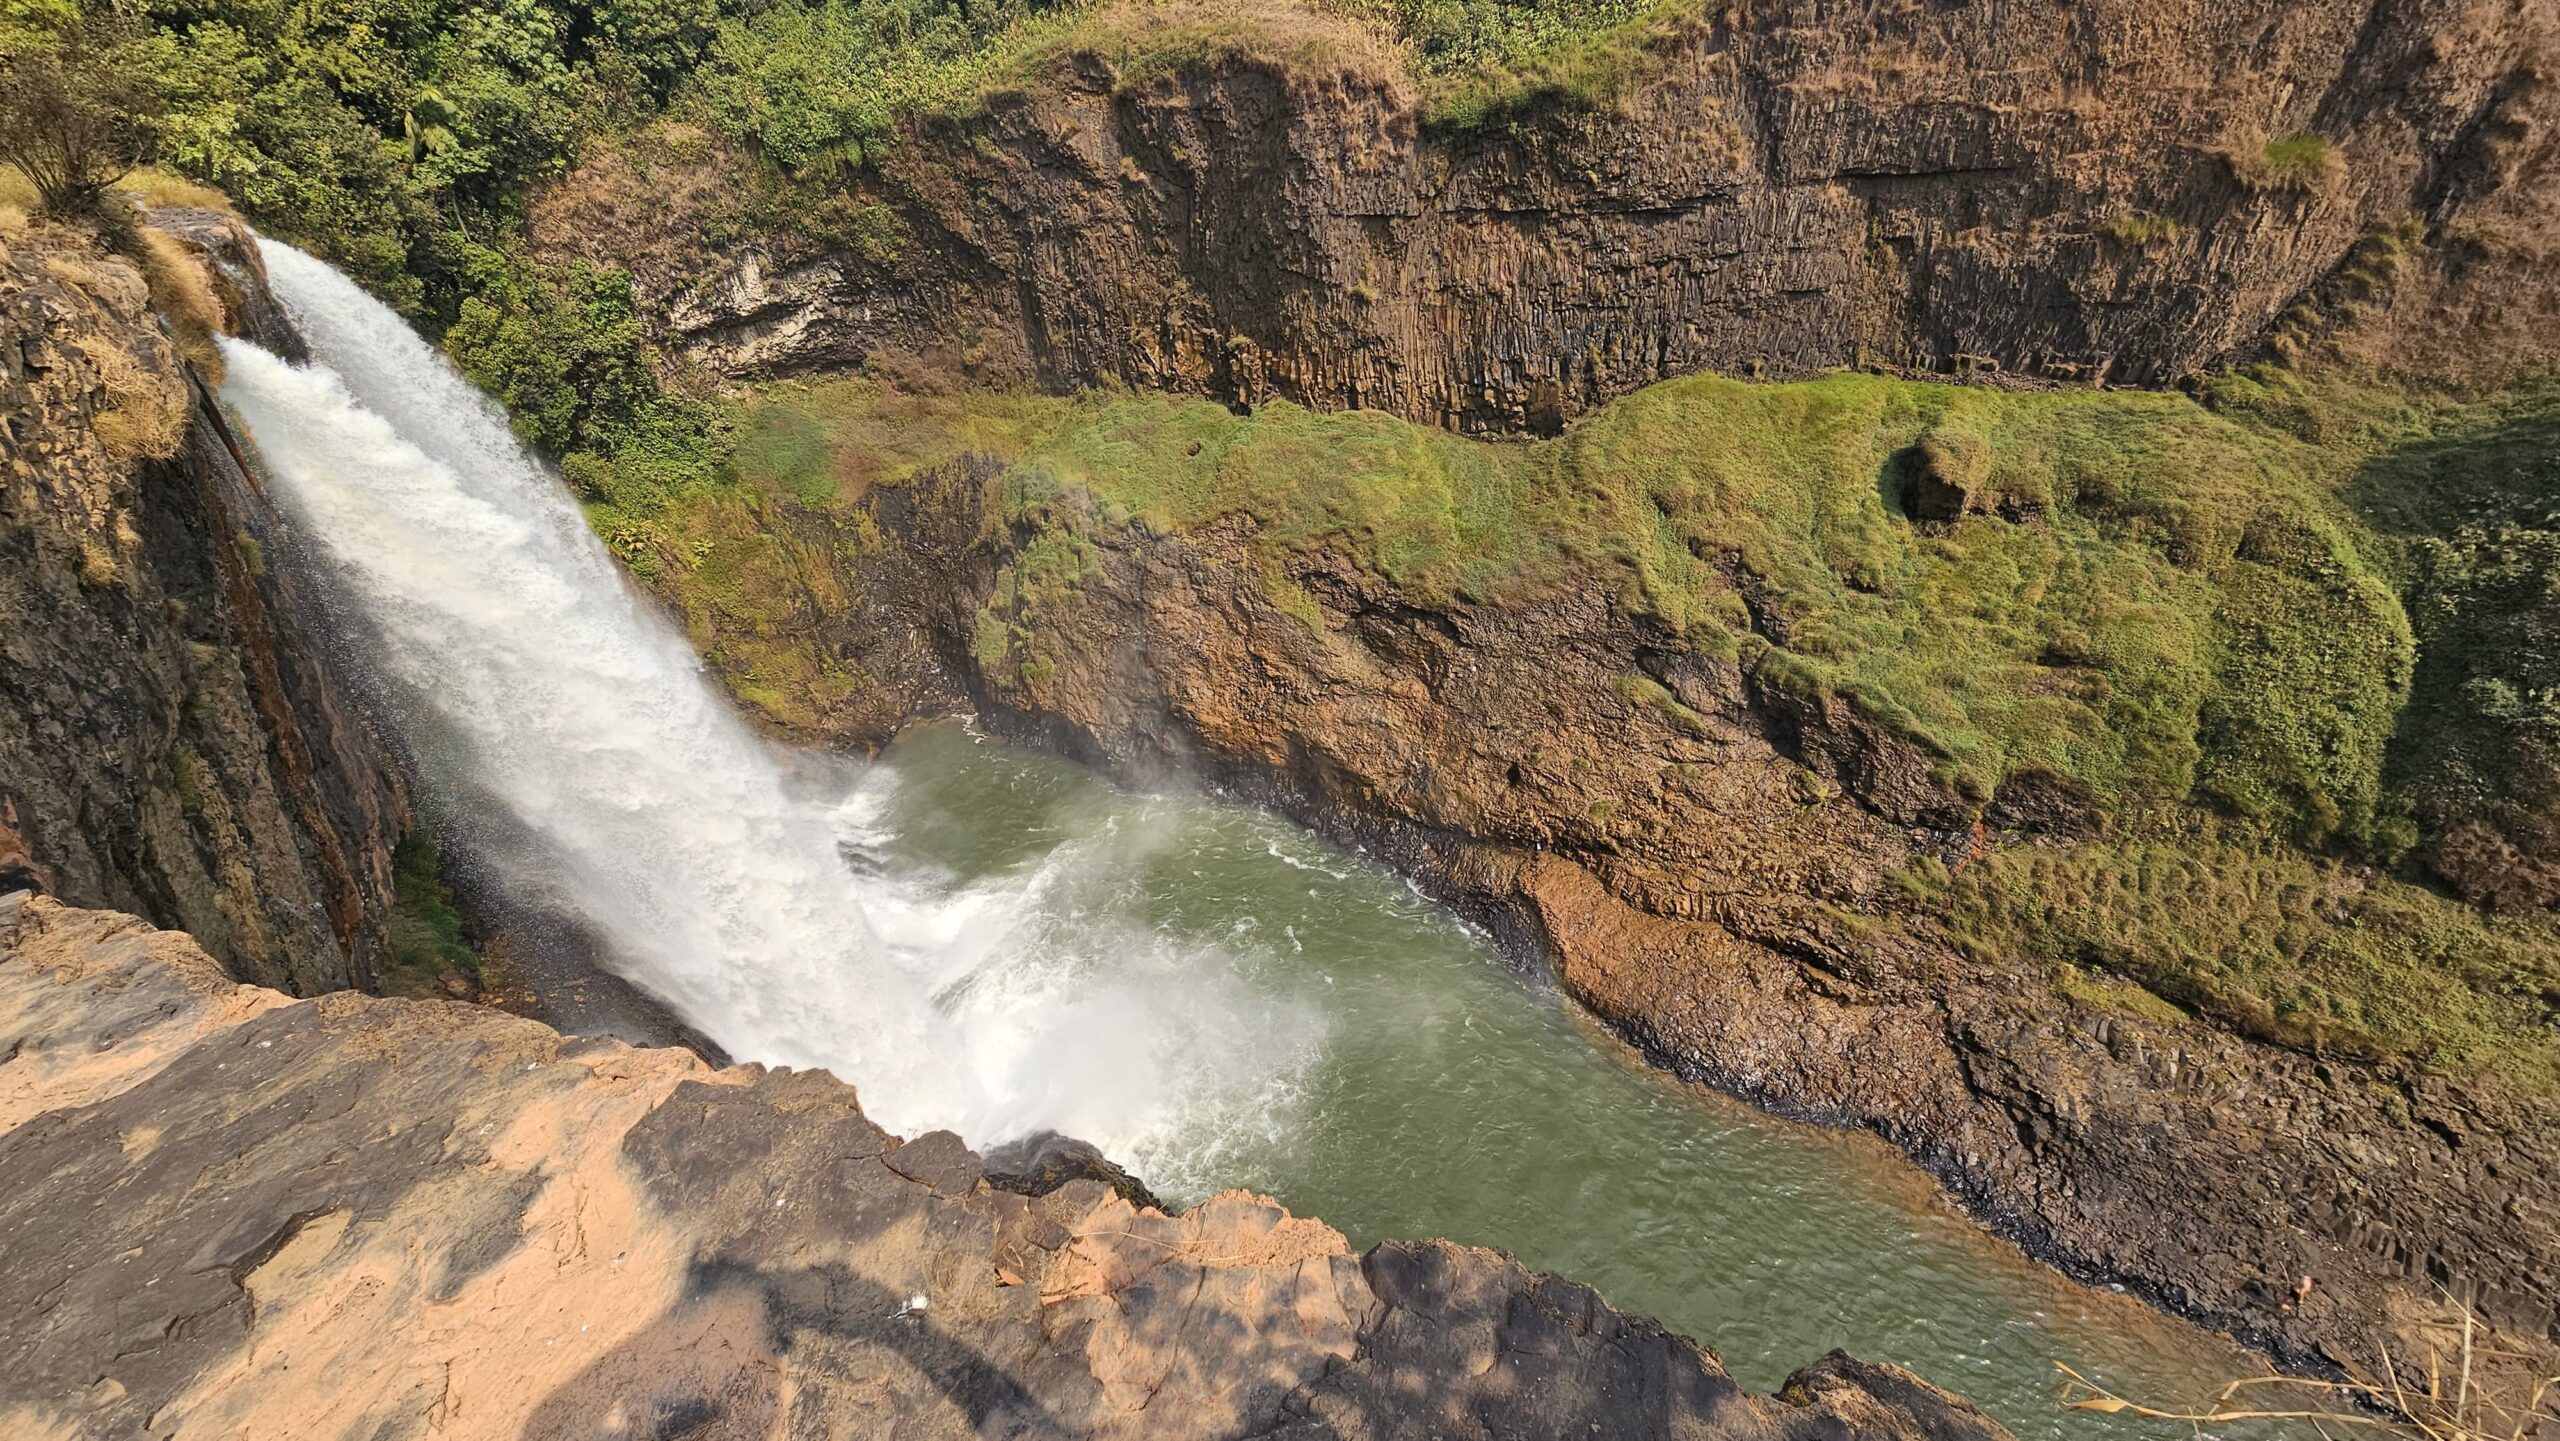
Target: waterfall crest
x=536, y=684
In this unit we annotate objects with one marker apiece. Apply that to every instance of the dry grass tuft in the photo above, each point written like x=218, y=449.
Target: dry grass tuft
x=2302, y=163
x=181, y=292
x=1146, y=39
x=159, y=188
x=145, y=414
x=17, y=201
x=2446, y=1400
x=98, y=568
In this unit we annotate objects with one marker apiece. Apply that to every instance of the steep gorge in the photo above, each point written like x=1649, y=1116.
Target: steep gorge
x=1711, y=863
x=2102, y=193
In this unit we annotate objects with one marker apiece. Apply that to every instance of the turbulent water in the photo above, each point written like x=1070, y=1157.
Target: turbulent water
x=538, y=686
x=995, y=942
x=1455, y=1096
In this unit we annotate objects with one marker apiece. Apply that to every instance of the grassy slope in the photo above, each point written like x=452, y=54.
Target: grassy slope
x=2190, y=627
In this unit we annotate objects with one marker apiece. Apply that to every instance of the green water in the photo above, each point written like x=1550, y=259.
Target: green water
x=1433, y=1090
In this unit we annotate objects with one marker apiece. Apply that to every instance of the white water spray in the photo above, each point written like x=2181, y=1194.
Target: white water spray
x=534, y=680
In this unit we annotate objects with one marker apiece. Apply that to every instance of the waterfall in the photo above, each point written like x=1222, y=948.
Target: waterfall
x=537, y=685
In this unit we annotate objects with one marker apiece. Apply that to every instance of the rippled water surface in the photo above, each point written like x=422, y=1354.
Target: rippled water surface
x=1451, y=1095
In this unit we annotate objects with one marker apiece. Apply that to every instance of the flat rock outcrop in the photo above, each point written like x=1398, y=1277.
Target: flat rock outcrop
x=227, y=1213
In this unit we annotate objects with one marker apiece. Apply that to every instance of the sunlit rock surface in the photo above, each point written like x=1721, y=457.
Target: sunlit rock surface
x=227, y=1213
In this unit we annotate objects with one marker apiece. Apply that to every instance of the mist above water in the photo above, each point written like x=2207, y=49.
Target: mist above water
x=537, y=686
x=1212, y=996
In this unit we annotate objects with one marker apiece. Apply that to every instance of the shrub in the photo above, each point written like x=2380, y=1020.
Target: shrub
x=75, y=111
x=2302, y=162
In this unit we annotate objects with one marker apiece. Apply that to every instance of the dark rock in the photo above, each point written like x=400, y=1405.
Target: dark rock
x=1944, y=476
x=1924, y=189
x=1040, y=1163
x=368, y=1217
x=171, y=741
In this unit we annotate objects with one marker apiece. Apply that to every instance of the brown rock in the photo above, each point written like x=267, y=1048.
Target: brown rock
x=365, y=1216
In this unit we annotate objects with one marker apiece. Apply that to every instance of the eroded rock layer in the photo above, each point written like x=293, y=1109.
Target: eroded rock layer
x=2118, y=191
x=171, y=740
x=356, y=1216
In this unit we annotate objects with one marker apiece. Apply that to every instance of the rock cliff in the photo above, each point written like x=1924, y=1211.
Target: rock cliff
x=404, y=1218
x=2111, y=191
x=1710, y=869
x=172, y=740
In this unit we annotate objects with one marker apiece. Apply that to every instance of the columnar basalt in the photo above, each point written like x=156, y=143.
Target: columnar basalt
x=2067, y=193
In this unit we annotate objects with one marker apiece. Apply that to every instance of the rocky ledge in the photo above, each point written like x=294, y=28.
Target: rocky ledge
x=229, y=1213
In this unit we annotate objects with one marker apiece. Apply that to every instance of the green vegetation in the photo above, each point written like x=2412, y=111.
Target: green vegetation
x=562, y=349
x=2140, y=229
x=2181, y=612
x=2275, y=944
x=2187, y=618
x=1487, y=61
x=2301, y=162
x=399, y=138
x=2183, y=617
x=425, y=932
x=2470, y=512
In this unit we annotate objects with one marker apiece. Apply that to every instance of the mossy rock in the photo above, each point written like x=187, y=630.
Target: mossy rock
x=1946, y=474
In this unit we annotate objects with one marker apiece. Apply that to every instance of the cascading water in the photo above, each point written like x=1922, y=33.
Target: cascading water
x=534, y=681
x=1209, y=995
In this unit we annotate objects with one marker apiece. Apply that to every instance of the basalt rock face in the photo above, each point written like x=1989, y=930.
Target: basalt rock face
x=356, y=1216
x=170, y=740
x=2077, y=192
x=1713, y=878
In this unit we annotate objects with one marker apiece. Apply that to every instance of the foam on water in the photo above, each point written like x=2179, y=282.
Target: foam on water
x=537, y=685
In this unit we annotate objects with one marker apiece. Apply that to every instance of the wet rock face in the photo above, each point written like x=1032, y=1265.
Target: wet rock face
x=1710, y=877
x=2067, y=191
x=356, y=1216
x=171, y=741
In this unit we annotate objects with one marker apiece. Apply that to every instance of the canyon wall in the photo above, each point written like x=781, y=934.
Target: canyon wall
x=173, y=741
x=1708, y=862
x=357, y=1216
x=2070, y=192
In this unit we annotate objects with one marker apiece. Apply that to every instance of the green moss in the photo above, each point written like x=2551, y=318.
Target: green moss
x=2115, y=995
x=2286, y=947
x=2086, y=645
x=1644, y=690
x=425, y=932
x=2181, y=611
x=788, y=448
x=2471, y=532
x=190, y=777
